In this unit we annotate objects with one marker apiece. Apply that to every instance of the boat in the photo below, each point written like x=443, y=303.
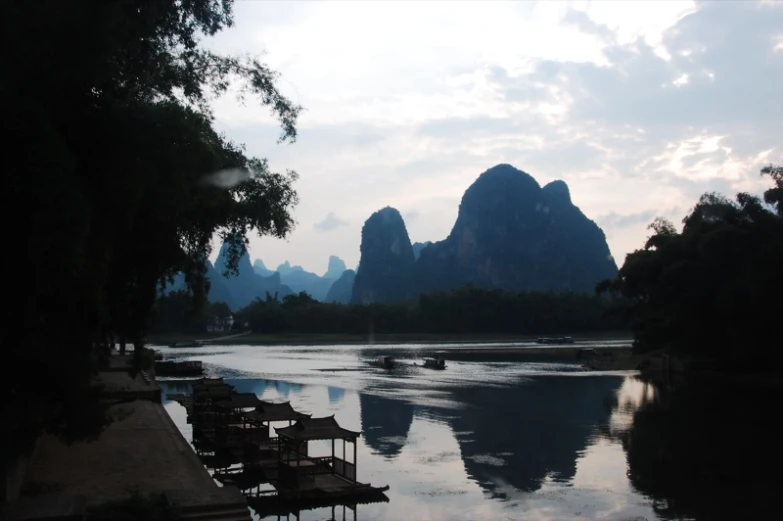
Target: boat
x=190, y=343
x=387, y=362
x=555, y=340
x=435, y=363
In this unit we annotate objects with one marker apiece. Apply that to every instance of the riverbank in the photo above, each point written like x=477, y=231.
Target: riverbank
x=378, y=339
x=613, y=352
x=141, y=452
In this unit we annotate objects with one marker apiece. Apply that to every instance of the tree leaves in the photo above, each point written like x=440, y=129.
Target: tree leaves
x=712, y=289
x=106, y=110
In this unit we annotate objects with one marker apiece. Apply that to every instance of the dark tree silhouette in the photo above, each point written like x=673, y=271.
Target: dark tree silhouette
x=106, y=112
x=712, y=290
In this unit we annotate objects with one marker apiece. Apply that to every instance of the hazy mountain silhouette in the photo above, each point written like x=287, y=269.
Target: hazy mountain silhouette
x=335, y=268
x=247, y=285
x=260, y=268
x=342, y=288
x=298, y=279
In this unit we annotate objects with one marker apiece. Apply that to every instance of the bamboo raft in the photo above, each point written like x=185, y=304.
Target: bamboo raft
x=231, y=434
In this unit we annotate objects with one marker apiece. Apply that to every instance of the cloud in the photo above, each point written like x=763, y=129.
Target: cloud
x=637, y=107
x=329, y=223
x=410, y=215
x=614, y=220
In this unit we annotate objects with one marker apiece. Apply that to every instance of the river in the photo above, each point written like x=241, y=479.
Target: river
x=489, y=438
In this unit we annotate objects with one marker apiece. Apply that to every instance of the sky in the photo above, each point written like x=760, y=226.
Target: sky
x=640, y=107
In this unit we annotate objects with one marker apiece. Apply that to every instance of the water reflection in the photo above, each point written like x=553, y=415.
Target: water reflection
x=519, y=436
x=706, y=449
x=385, y=423
x=511, y=440
x=276, y=390
x=336, y=394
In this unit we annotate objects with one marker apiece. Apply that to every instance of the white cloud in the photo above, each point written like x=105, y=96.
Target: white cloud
x=329, y=223
x=640, y=107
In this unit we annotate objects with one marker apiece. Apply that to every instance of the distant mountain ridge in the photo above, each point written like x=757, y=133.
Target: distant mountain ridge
x=298, y=279
x=510, y=234
x=236, y=291
x=247, y=285
x=256, y=280
x=342, y=289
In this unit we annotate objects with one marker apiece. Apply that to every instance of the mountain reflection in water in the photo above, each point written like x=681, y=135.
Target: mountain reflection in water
x=491, y=440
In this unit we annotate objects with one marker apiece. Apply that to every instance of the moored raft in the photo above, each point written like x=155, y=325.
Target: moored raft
x=232, y=433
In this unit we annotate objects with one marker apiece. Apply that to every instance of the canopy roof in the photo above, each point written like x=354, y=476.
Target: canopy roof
x=316, y=429
x=270, y=412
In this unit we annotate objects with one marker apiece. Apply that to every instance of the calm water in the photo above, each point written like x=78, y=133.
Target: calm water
x=493, y=439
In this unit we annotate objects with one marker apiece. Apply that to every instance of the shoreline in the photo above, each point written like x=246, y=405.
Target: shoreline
x=282, y=339
x=142, y=451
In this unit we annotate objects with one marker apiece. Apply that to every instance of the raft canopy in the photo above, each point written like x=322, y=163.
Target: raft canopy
x=327, y=428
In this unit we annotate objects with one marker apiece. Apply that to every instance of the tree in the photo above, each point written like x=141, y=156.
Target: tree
x=122, y=181
x=711, y=290
x=774, y=196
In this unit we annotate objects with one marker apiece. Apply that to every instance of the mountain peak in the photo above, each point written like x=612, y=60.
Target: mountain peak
x=336, y=267
x=557, y=191
x=386, y=261
x=512, y=234
x=260, y=268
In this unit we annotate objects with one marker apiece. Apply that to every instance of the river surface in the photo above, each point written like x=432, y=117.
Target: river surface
x=490, y=439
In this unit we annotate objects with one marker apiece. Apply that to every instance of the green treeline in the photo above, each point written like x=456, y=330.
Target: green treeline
x=467, y=310
x=713, y=289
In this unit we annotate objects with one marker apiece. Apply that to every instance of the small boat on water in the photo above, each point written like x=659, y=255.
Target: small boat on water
x=555, y=340
x=435, y=363
x=386, y=362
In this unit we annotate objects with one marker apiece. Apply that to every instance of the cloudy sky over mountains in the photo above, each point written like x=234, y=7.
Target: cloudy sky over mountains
x=639, y=106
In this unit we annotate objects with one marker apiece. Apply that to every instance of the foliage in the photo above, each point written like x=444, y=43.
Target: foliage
x=713, y=289
x=468, y=310
x=178, y=313
x=114, y=160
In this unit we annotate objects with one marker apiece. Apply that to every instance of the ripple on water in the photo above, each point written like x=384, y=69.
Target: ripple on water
x=487, y=459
